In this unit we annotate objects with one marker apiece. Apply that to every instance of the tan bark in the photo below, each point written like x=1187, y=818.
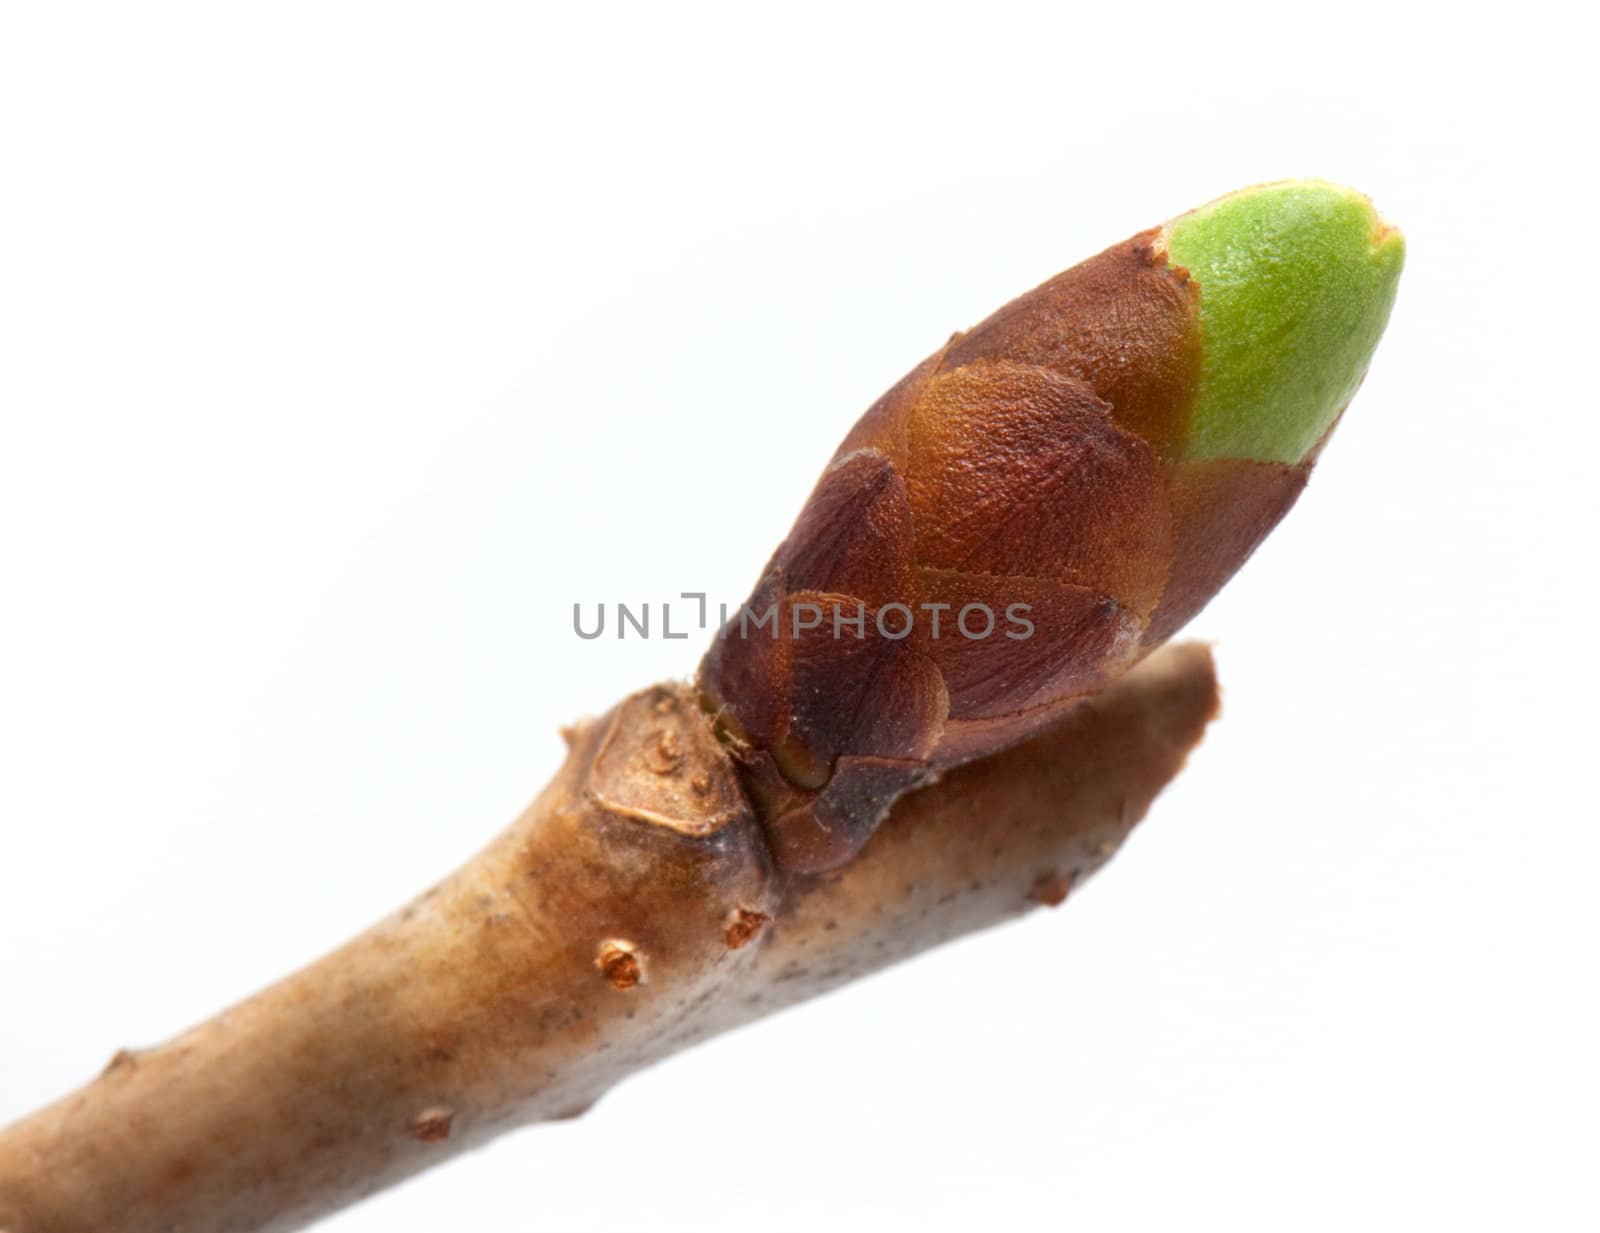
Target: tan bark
x=631, y=911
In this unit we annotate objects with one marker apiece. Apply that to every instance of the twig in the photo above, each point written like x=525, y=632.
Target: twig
x=631, y=911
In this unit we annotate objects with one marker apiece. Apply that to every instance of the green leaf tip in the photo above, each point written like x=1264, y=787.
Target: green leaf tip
x=1296, y=283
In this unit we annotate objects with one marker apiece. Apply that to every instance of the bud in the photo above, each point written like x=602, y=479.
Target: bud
x=1099, y=456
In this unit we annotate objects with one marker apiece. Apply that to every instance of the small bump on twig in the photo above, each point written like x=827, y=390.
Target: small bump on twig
x=432, y=1125
x=743, y=925
x=620, y=963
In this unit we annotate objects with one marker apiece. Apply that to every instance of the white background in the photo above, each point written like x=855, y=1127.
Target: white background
x=343, y=347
